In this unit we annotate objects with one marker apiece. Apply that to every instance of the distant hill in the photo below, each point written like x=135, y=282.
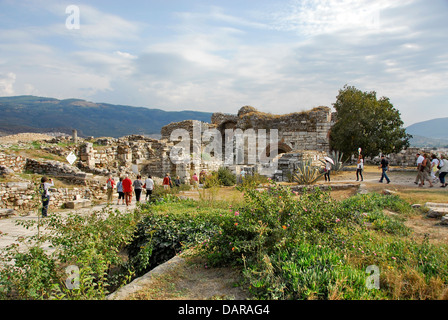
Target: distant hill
x=39, y=114
x=435, y=128
x=430, y=133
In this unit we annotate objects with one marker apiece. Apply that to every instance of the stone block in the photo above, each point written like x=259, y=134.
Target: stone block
x=437, y=212
x=77, y=204
x=6, y=212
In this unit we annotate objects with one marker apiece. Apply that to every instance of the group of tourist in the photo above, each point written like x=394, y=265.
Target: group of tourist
x=430, y=169
x=428, y=166
x=126, y=187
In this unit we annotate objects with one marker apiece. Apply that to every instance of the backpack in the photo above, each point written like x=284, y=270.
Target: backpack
x=43, y=191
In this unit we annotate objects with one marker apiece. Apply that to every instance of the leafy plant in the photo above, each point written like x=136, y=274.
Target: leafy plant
x=337, y=158
x=306, y=173
x=90, y=242
x=226, y=177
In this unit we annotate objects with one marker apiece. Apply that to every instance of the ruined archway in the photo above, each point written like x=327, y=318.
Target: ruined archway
x=281, y=148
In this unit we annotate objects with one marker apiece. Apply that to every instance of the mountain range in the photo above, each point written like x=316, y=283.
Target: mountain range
x=44, y=115
x=430, y=133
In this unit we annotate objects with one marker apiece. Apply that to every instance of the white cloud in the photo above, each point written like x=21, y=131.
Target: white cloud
x=125, y=55
x=7, y=84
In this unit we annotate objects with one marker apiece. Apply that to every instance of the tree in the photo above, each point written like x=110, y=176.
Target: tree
x=365, y=122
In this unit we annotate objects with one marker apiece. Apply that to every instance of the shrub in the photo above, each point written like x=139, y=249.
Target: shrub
x=226, y=177
x=313, y=247
x=90, y=242
x=167, y=228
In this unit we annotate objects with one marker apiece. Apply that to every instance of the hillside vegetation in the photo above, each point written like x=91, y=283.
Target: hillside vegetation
x=38, y=114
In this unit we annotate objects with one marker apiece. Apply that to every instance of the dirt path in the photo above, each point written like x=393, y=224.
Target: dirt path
x=184, y=278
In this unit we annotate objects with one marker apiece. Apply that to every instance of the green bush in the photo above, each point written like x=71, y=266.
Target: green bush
x=313, y=247
x=90, y=242
x=168, y=227
x=226, y=177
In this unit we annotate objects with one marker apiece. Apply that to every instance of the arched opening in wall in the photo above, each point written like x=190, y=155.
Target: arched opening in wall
x=281, y=148
x=230, y=124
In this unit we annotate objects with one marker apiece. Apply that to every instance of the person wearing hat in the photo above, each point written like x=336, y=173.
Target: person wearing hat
x=420, y=159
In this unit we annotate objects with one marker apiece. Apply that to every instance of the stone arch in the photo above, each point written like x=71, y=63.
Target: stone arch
x=228, y=124
x=281, y=147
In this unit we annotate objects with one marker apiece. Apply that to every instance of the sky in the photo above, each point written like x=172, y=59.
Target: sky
x=217, y=56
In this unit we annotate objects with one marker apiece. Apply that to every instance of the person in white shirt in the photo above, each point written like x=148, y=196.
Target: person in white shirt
x=45, y=186
x=420, y=159
x=149, y=186
x=327, y=170
x=434, y=169
x=359, y=168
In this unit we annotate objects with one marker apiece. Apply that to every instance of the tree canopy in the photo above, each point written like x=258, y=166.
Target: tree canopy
x=365, y=122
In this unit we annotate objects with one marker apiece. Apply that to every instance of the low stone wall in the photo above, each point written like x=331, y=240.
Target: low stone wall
x=58, y=169
x=24, y=196
x=14, y=163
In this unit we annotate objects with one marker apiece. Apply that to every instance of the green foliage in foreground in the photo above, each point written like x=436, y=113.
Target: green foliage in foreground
x=91, y=243
x=288, y=245
x=306, y=246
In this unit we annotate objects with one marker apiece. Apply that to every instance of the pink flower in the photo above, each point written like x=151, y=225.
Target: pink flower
x=338, y=220
x=237, y=213
x=394, y=258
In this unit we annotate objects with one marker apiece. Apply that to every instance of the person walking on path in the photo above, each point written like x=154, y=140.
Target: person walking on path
x=45, y=185
x=420, y=159
x=384, y=166
x=138, y=185
x=127, y=189
x=434, y=169
x=149, y=186
x=359, y=168
x=327, y=170
x=425, y=168
x=443, y=170
x=120, y=191
x=110, y=185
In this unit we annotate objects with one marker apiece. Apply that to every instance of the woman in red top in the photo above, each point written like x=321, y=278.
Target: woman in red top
x=166, y=181
x=127, y=189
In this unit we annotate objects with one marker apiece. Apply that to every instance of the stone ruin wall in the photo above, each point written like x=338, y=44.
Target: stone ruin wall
x=23, y=196
x=301, y=135
x=308, y=130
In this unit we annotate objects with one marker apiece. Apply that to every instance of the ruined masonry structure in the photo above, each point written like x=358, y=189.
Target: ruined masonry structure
x=301, y=135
